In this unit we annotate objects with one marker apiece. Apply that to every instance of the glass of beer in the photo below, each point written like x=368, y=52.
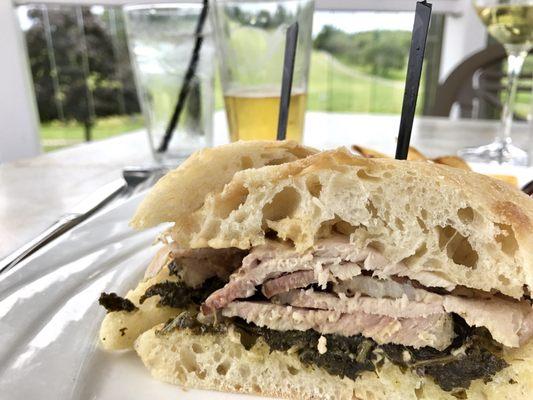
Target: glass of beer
x=250, y=38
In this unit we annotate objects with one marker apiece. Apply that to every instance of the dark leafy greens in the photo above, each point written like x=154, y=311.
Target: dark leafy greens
x=179, y=295
x=344, y=356
x=472, y=355
x=113, y=302
x=449, y=371
x=188, y=320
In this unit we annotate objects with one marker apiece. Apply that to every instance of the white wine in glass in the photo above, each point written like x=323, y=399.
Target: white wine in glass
x=511, y=23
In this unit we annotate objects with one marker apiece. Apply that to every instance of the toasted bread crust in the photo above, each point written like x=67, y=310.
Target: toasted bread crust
x=184, y=189
x=470, y=229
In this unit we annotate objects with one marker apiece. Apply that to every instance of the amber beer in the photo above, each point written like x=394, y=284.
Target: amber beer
x=254, y=116
x=251, y=55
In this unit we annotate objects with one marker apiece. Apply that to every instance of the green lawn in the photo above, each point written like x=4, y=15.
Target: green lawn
x=56, y=134
x=333, y=86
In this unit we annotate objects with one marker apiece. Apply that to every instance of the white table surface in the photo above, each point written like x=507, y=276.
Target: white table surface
x=35, y=192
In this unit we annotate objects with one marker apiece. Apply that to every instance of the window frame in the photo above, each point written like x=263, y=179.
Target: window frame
x=440, y=6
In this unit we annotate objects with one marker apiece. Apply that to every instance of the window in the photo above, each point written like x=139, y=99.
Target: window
x=81, y=72
x=85, y=89
x=359, y=61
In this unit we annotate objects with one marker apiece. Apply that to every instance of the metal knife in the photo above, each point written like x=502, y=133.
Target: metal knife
x=132, y=177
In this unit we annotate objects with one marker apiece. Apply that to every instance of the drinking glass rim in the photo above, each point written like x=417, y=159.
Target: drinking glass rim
x=494, y=3
x=162, y=6
x=261, y=1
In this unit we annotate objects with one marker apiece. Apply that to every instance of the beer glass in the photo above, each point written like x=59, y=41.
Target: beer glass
x=250, y=38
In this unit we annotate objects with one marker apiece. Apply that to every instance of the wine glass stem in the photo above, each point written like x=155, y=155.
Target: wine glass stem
x=515, y=61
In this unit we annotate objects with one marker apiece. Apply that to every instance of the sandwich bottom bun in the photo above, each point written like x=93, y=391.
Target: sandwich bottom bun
x=218, y=361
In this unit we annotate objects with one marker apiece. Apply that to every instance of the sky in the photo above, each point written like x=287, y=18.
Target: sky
x=24, y=21
x=347, y=21
x=363, y=21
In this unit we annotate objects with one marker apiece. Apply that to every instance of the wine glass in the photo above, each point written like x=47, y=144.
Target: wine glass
x=511, y=23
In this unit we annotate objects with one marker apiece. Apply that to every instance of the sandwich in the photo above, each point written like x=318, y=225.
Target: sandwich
x=299, y=274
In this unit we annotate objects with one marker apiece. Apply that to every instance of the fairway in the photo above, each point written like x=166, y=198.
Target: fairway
x=333, y=87
x=336, y=87
x=56, y=134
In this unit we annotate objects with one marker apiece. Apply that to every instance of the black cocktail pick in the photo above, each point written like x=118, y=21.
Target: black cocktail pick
x=189, y=75
x=412, y=82
x=291, y=40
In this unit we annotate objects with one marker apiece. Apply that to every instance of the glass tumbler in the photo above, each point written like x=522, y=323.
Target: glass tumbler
x=161, y=40
x=250, y=37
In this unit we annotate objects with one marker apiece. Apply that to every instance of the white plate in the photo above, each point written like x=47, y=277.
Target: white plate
x=49, y=315
x=524, y=175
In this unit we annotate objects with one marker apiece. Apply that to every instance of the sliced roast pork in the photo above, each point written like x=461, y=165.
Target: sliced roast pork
x=387, y=288
x=195, y=266
x=262, y=265
x=332, y=259
x=435, y=330
x=355, y=302
x=287, y=282
x=509, y=322
x=395, y=308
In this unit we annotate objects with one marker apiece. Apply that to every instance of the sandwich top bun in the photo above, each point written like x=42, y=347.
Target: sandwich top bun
x=454, y=227
x=183, y=190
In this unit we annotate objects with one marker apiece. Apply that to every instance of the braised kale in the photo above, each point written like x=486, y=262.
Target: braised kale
x=113, y=302
x=477, y=363
x=172, y=294
x=345, y=356
x=276, y=340
x=350, y=356
x=179, y=295
x=472, y=355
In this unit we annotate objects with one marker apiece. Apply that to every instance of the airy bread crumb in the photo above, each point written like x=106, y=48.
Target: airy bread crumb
x=214, y=361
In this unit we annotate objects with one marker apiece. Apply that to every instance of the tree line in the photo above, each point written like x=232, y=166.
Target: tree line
x=80, y=69
x=382, y=52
